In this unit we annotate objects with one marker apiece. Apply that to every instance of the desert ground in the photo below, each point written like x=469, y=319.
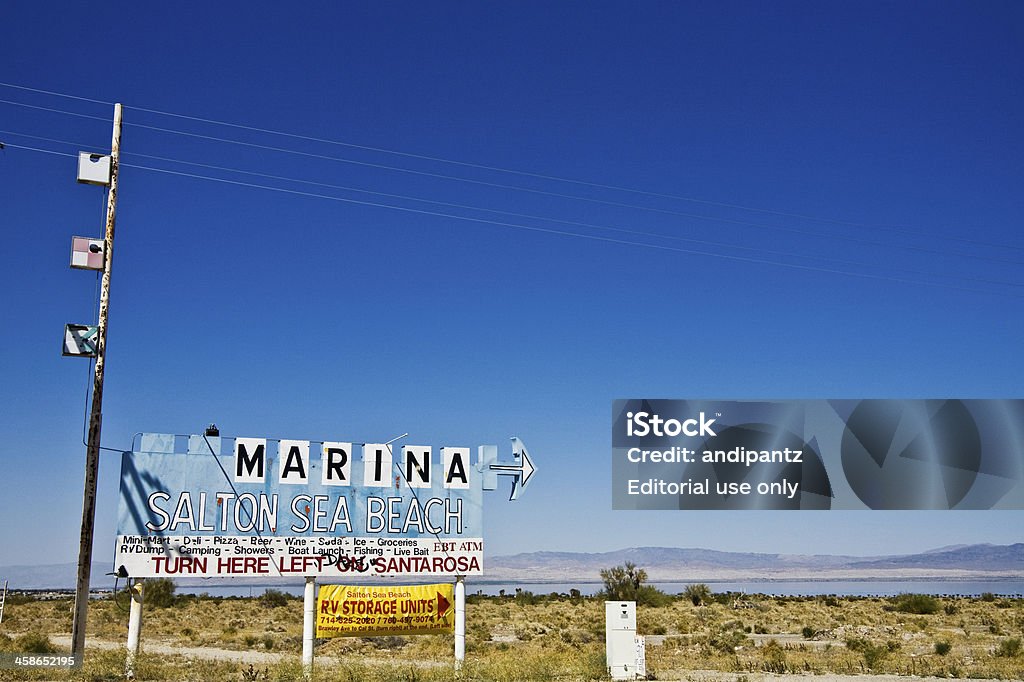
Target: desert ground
x=527, y=636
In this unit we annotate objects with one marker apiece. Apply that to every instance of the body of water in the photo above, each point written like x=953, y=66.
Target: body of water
x=852, y=588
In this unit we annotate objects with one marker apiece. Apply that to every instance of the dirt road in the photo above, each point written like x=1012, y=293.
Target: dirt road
x=258, y=658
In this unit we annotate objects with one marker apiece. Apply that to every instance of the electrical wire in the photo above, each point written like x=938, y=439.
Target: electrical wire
x=55, y=94
x=560, y=195
x=579, y=235
x=574, y=223
x=656, y=235
x=547, y=230
x=566, y=233
x=541, y=176
x=571, y=196
x=55, y=111
x=43, y=151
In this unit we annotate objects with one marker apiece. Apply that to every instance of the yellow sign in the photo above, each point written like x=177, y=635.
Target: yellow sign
x=347, y=611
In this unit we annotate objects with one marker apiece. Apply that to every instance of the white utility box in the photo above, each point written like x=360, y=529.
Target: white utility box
x=621, y=641
x=93, y=169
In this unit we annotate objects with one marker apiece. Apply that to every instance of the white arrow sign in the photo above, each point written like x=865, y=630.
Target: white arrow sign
x=522, y=472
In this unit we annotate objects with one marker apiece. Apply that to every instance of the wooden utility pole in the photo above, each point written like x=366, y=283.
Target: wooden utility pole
x=92, y=455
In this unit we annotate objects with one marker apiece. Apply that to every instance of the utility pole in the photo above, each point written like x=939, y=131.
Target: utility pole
x=92, y=456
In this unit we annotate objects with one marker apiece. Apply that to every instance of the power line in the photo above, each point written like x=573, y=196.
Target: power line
x=567, y=233
x=55, y=94
x=535, y=217
x=514, y=214
x=36, y=149
x=545, y=230
x=55, y=111
x=541, y=176
x=800, y=216
x=559, y=195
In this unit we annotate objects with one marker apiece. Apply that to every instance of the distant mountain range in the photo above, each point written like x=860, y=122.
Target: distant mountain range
x=672, y=564
x=53, y=577
x=667, y=564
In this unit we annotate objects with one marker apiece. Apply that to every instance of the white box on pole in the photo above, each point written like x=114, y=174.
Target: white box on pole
x=93, y=169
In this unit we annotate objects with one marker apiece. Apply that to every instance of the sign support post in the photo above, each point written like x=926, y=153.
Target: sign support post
x=460, y=621
x=136, y=589
x=92, y=457
x=308, y=625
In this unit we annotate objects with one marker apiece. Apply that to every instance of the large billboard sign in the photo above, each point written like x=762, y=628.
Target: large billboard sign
x=818, y=454
x=332, y=509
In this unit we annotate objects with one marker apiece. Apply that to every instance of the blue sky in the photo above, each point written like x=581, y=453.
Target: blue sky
x=829, y=205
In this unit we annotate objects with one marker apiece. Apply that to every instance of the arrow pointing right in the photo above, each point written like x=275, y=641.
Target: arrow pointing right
x=523, y=471
x=528, y=469
x=442, y=605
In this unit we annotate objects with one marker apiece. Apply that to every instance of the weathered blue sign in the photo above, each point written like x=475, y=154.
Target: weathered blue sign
x=294, y=507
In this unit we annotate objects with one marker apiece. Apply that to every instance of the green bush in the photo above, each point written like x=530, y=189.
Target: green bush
x=1009, y=648
x=773, y=657
x=728, y=641
x=38, y=643
x=698, y=593
x=158, y=592
x=874, y=654
x=626, y=583
x=857, y=643
x=943, y=648
x=648, y=595
x=921, y=604
x=527, y=598
x=272, y=598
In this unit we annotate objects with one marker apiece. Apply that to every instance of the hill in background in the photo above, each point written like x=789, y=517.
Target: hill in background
x=663, y=564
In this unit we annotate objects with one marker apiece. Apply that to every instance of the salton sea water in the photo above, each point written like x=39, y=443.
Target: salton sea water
x=852, y=588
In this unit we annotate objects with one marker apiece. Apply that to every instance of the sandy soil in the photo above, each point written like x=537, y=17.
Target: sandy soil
x=243, y=656
x=258, y=658
x=717, y=676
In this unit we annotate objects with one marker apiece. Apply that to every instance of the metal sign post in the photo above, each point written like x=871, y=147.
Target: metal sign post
x=460, y=621
x=137, y=590
x=308, y=625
